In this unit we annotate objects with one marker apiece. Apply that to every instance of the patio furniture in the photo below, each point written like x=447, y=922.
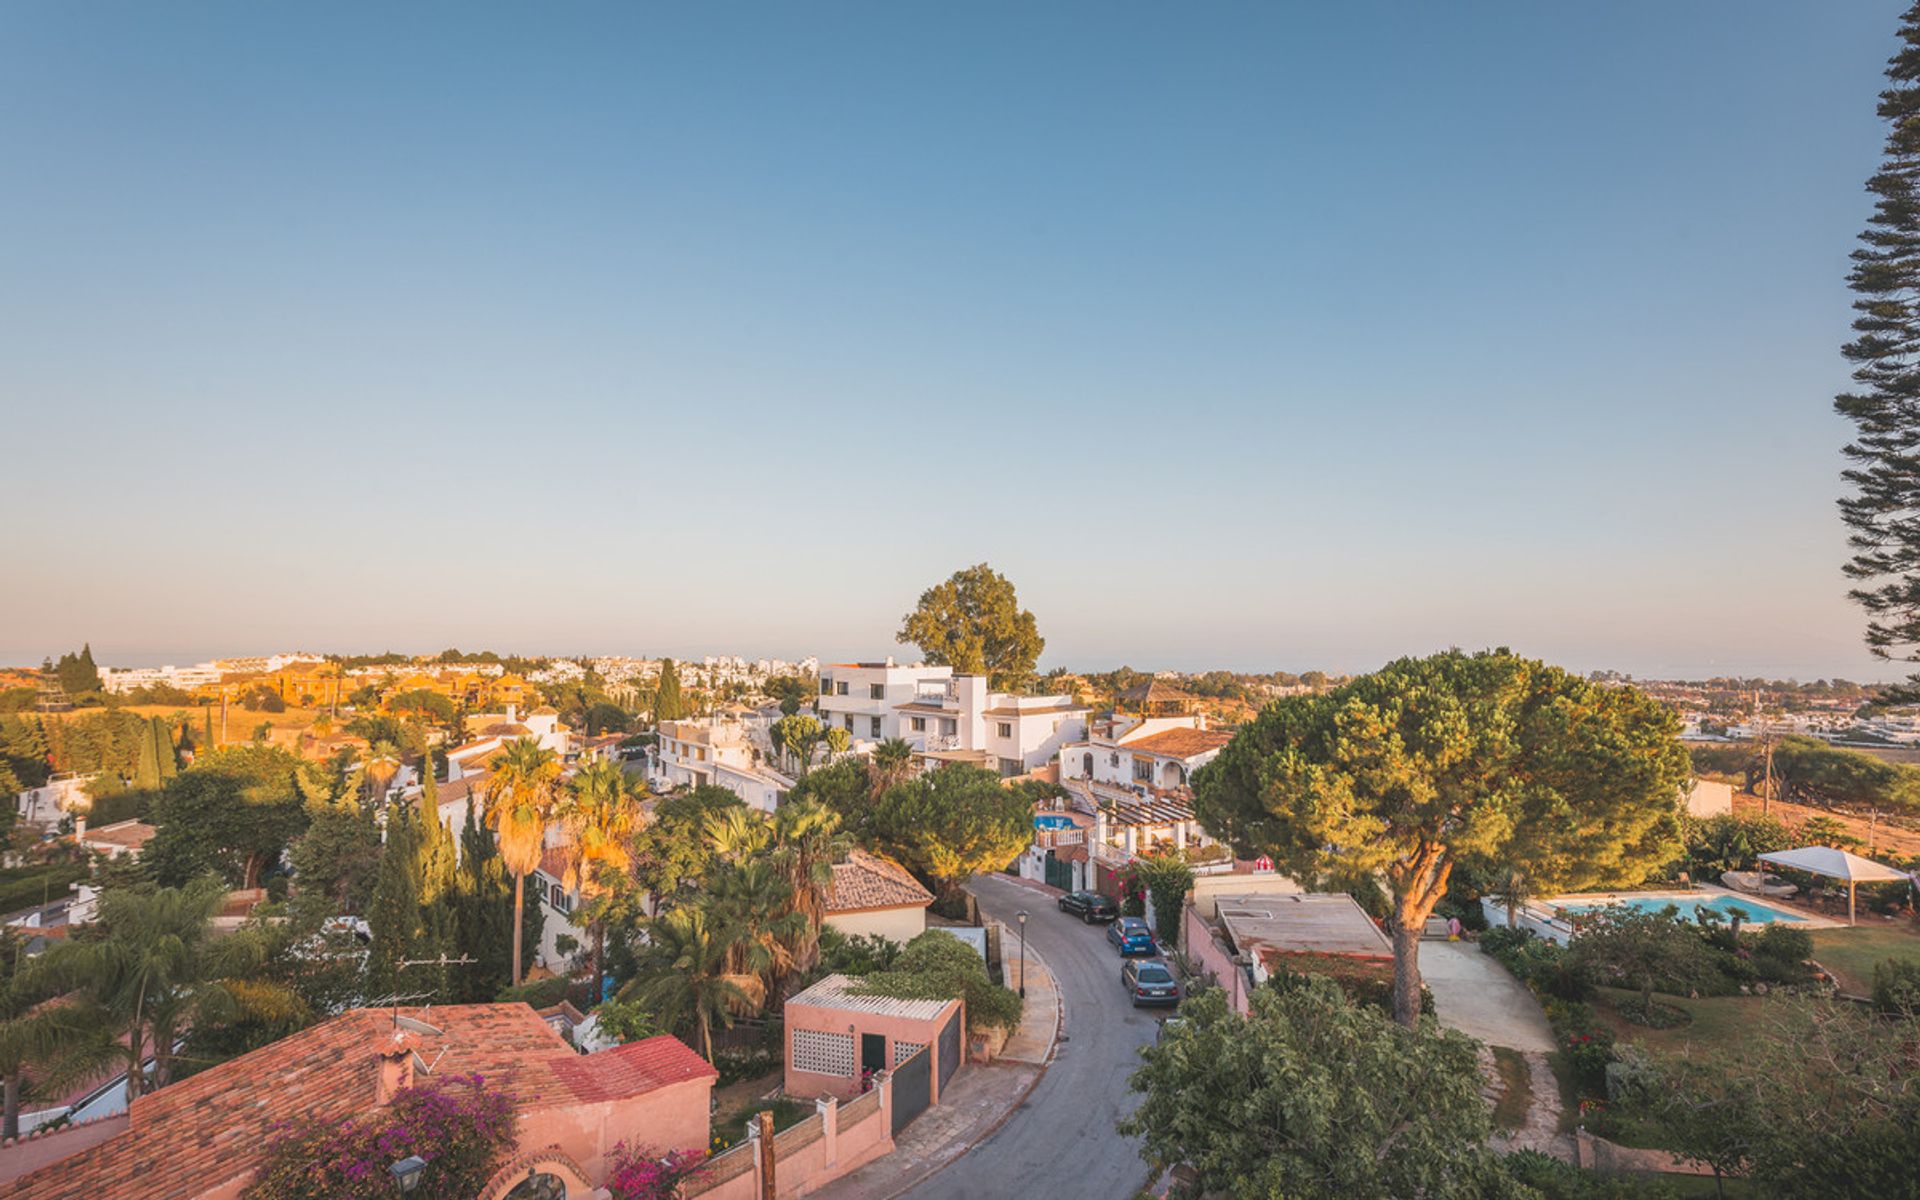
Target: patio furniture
x=1756, y=884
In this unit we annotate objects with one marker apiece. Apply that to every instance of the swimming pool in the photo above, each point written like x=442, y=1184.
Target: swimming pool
x=1758, y=912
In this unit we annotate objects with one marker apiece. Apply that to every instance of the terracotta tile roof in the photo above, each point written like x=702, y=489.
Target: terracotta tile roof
x=131, y=834
x=1154, y=692
x=506, y=729
x=866, y=882
x=193, y=1136
x=1179, y=743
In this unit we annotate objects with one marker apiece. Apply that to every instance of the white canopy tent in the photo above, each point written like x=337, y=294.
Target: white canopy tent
x=1837, y=864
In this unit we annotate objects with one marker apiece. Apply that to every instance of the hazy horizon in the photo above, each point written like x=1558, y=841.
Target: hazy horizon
x=1237, y=338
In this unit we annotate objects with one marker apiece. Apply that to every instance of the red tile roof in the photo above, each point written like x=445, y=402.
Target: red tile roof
x=866, y=882
x=1179, y=743
x=201, y=1132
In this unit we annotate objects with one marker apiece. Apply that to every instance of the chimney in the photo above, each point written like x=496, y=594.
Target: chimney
x=511, y=710
x=79, y=826
x=395, y=1063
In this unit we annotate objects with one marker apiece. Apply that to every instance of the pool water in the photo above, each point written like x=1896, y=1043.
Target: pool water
x=1758, y=913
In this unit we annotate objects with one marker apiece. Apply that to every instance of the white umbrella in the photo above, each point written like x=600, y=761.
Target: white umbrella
x=1836, y=864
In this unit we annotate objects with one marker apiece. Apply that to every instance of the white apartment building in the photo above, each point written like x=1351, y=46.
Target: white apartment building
x=947, y=717
x=732, y=754
x=126, y=679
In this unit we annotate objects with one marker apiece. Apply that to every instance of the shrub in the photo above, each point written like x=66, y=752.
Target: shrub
x=461, y=1128
x=736, y=1065
x=859, y=954
x=1780, y=953
x=1896, y=985
x=1556, y=1180
x=542, y=993
x=939, y=966
x=1587, y=1043
x=640, y=1176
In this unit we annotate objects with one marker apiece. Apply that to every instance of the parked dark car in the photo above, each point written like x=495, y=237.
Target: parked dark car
x=1130, y=936
x=1089, y=906
x=1149, y=982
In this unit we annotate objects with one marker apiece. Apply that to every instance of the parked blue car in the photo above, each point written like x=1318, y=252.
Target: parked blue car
x=1130, y=936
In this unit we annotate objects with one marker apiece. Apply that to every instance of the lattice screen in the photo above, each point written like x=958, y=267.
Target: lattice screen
x=823, y=1053
x=902, y=1051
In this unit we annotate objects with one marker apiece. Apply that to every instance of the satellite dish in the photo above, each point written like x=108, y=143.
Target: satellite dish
x=415, y=1025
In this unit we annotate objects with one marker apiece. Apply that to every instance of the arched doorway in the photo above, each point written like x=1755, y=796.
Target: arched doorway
x=544, y=1174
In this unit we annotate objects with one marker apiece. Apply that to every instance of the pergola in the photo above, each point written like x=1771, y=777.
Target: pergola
x=1836, y=864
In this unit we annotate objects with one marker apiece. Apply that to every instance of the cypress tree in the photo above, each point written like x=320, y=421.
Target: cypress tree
x=393, y=916
x=146, y=771
x=208, y=744
x=667, y=703
x=164, y=749
x=483, y=922
x=1884, y=457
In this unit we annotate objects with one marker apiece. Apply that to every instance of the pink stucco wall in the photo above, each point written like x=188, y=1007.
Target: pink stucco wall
x=806, y=1157
x=669, y=1118
x=1204, y=948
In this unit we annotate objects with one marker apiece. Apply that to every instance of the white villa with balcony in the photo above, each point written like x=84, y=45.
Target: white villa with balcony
x=947, y=718
x=728, y=753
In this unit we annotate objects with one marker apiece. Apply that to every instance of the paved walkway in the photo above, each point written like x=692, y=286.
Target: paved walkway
x=1476, y=995
x=979, y=1099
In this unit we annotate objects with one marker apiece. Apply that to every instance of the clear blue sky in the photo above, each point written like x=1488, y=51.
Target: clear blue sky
x=1236, y=336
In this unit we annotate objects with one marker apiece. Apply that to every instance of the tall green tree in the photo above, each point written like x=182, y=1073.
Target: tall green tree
x=1431, y=762
x=952, y=824
x=483, y=915
x=1312, y=1097
x=1884, y=457
x=77, y=673
x=394, y=917
x=668, y=703
x=233, y=813
x=973, y=623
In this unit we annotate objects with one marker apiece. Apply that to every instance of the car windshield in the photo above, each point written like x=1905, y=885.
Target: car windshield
x=1154, y=974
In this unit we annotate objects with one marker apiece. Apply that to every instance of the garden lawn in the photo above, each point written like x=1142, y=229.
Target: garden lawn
x=1720, y=1025
x=1851, y=953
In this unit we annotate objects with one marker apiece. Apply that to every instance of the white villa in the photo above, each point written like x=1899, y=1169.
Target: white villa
x=947, y=718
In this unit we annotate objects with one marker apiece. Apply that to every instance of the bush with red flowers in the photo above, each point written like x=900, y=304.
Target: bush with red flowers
x=459, y=1126
x=638, y=1175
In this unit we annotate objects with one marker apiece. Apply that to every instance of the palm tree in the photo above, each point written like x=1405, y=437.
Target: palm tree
x=806, y=843
x=892, y=763
x=749, y=909
x=520, y=797
x=383, y=762
x=158, y=970
x=600, y=813
x=692, y=986
x=49, y=1047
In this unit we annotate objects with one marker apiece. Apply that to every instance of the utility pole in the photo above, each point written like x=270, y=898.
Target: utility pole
x=764, y=1120
x=1764, y=732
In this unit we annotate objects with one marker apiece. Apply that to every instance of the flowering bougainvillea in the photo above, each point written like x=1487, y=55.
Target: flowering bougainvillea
x=638, y=1175
x=459, y=1126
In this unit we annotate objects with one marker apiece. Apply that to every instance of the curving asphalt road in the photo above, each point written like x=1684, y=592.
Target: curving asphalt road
x=1060, y=1144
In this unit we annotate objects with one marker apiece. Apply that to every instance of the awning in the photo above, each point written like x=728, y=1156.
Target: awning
x=1837, y=864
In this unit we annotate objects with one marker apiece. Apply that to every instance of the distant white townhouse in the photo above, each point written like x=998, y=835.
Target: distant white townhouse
x=729, y=752
x=493, y=730
x=948, y=718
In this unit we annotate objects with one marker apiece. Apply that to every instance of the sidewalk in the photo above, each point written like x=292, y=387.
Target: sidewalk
x=977, y=1102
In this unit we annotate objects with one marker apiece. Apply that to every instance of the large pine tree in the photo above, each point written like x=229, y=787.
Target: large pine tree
x=1883, y=513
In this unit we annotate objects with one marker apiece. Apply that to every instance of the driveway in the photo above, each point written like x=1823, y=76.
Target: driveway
x=1061, y=1143
x=1476, y=995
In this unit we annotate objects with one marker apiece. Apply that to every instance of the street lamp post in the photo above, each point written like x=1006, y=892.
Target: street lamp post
x=1021, y=916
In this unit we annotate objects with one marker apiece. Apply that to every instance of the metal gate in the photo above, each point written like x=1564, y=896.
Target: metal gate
x=912, y=1088
x=1059, y=874
x=949, y=1050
